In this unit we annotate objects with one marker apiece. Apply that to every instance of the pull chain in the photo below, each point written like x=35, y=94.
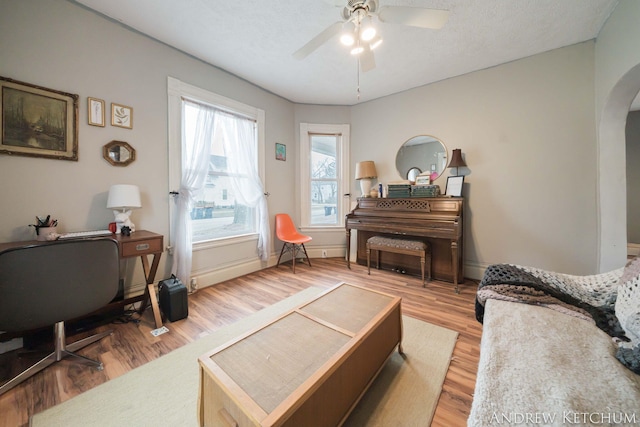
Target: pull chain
x=358, y=77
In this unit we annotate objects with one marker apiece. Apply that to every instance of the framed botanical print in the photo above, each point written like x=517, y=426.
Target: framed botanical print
x=37, y=121
x=95, y=110
x=121, y=116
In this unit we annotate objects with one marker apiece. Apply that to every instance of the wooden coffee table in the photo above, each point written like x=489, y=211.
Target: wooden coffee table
x=308, y=367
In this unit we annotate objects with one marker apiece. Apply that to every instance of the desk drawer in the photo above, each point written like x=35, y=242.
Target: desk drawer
x=141, y=247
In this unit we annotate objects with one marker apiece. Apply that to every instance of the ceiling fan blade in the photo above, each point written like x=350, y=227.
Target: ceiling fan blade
x=367, y=61
x=335, y=3
x=318, y=40
x=414, y=16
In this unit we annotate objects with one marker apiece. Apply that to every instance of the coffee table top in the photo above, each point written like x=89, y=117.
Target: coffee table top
x=348, y=307
x=271, y=364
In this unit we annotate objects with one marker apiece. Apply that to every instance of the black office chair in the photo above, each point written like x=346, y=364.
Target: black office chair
x=47, y=284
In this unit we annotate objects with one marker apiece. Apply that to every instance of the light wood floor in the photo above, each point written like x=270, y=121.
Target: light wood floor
x=210, y=308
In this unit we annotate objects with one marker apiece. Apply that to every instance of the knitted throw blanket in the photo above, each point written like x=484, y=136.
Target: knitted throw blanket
x=553, y=290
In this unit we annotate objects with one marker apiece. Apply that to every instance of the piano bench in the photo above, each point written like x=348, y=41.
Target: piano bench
x=400, y=246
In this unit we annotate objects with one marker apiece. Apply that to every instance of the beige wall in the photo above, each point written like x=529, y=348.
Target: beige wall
x=527, y=133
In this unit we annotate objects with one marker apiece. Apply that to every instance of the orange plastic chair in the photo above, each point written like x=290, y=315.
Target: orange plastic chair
x=293, y=241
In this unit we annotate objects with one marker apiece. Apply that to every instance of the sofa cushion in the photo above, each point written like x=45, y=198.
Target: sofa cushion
x=628, y=301
x=628, y=313
x=540, y=362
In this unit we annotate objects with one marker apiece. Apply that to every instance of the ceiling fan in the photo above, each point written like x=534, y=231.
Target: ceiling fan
x=358, y=32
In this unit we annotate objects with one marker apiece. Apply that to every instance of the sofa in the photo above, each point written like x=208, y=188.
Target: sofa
x=545, y=358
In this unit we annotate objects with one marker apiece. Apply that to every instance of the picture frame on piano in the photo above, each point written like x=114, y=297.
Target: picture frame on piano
x=454, y=186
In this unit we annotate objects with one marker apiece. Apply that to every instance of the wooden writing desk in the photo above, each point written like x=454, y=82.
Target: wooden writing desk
x=143, y=243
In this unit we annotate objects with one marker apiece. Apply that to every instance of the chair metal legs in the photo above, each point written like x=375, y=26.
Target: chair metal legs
x=61, y=351
x=294, y=249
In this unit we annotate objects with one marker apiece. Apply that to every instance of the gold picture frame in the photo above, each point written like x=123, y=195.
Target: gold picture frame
x=38, y=121
x=95, y=111
x=119, y=153
x=121, y=116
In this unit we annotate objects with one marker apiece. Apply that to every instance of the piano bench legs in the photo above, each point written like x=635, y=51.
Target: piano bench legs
x=400, y=246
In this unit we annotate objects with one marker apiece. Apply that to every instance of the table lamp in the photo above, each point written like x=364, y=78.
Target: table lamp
x=365, y=172
x=456, y=160
x=124, y=197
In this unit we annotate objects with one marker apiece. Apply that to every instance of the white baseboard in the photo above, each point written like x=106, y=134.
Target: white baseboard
x=212, y=277
x=218, y=275
x=135, y=289
x=633, y=249
x=474, y=270
x=331, y=252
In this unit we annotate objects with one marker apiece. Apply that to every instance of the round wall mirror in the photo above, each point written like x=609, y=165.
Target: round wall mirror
x=118, y=153
x=422, y=154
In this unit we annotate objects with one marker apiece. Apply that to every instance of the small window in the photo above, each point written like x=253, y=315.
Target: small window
x=324, y=169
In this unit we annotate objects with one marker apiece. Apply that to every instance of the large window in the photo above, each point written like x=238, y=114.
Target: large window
x=324, y=170
x=227, y=204
x=217, y=212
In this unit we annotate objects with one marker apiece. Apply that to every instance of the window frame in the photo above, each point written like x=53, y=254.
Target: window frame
x=177, y=91
x=342, y=169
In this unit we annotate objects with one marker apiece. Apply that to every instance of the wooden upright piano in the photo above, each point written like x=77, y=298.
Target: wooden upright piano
x=434, y=220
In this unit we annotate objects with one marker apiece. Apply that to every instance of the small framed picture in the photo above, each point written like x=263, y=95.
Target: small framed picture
x=281, y=152
x=121, y=116
x=95, y=109
x=454, y=186
x=423, y=180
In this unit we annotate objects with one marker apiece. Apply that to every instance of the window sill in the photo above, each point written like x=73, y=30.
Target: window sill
x=224, y=241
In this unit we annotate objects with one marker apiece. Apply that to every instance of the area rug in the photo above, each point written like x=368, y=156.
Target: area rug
x=164, y=392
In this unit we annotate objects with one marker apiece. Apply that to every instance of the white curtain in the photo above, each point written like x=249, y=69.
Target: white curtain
x=239, y=138
x=195, y=166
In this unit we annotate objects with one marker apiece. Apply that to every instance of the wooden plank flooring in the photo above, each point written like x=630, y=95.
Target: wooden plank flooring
x=210, y=308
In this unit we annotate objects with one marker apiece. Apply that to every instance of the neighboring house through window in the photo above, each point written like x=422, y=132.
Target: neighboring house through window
x=216, y=173
x=217, y=212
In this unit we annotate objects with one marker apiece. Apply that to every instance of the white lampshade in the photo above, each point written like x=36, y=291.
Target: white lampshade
x=124, y=196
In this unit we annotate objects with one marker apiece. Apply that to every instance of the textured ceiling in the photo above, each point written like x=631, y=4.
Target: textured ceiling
x=255, y=40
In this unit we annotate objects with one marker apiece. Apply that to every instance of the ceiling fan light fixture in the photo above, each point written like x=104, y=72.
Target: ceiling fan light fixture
x=368, y=31
x=347, y=36
x=347, y=39
x=367, y=34
x=357, y=50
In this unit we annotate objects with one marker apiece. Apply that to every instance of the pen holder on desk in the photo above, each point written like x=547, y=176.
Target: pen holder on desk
x=46, y=233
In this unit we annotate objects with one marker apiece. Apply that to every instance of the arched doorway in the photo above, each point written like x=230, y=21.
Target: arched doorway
x=612, y=193
x=633, y=178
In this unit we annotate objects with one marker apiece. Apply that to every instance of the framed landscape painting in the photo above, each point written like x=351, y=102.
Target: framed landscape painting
x=37, y=121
